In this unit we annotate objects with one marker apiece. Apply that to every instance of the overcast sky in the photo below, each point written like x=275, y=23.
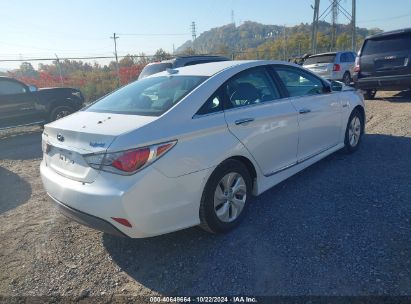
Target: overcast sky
x=82, y=28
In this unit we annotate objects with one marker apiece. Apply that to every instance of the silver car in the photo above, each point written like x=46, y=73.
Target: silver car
x=332, y=66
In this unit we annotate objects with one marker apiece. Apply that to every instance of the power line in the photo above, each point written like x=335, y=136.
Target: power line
x=152, y=34
x=386, y=18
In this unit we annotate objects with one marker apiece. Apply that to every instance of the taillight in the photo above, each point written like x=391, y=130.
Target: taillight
x=130, y=161
x=357, y=65
x=336, y=67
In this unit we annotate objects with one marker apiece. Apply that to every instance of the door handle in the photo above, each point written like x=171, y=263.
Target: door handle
x=243, y=121
x=304, y=111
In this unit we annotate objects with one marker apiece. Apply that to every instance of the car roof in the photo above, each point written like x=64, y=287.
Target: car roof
x=211, y=68
x=324, y=54
x=389, y=33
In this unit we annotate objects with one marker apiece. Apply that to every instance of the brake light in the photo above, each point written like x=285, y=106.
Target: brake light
x=130, y=161
x=336, y=67
x=357, y=65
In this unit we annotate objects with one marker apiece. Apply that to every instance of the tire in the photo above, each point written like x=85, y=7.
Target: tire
x=354, y=132
x=347, y=78
x=221, y=208
x=60, y=112
x=370, y=94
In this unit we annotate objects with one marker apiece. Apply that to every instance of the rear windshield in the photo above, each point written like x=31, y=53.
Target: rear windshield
x=388, y=44
x=320, y=59
x=147, y=97
x=154, y=68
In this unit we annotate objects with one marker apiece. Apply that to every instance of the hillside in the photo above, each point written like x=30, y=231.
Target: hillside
x=252, y=35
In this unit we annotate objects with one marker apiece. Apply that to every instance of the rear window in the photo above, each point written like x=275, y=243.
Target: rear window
x=388, y=44
x=320, y=59
x=154, y=68
x=147, y=97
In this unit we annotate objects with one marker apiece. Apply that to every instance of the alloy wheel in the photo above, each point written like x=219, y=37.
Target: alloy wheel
x=230, y=197
x=354, y=131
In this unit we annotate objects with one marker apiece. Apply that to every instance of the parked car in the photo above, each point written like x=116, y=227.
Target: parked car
x=383, y=63
x=190, y=146
x=21, y=104
x=177, y=62
x=332, y=66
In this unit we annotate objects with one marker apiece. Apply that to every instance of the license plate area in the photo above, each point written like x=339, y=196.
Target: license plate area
x=69, y=163
x=390, y=63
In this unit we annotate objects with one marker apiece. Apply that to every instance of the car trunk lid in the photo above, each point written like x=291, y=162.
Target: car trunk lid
x=69, y=138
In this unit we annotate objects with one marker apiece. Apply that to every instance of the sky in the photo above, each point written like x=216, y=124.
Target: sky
x=70, y=28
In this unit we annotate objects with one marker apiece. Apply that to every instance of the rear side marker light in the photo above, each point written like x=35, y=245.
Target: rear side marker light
x=122, y=221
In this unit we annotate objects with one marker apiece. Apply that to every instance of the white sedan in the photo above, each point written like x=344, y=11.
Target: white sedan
x=190, y=146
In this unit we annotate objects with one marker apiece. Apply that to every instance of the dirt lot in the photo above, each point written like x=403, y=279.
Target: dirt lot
x=341, y=227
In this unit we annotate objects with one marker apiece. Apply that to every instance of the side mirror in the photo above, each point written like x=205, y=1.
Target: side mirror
x=336, y=86
x=33, y=88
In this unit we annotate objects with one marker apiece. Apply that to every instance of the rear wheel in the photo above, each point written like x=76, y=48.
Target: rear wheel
x=60, y=112
x=370, y=94
x=225, y=197
x=354, y=131
x=347, y=78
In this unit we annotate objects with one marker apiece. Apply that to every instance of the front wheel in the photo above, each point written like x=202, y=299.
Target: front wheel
x=60, y=112
x=225, y=197
x=354, y=131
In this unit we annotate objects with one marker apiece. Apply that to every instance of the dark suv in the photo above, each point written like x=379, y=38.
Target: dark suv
x=178, y=62
x=21, y=104
x=383, y=63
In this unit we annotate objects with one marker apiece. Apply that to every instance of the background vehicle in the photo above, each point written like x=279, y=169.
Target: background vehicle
x=24, y=105
x=178, y=62
x=383, y=63
x=190, y=148
x=332, y=66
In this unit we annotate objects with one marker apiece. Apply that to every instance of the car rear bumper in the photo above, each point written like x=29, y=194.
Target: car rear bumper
x=87, y=219
x=151, y=202
x=385, y=82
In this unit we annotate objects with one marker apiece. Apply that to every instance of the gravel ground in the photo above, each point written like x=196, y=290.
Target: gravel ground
x=340, y=227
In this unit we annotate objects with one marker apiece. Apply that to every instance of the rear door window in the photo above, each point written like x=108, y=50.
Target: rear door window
x=395, y=43
x=250, y=87
x=8, y=87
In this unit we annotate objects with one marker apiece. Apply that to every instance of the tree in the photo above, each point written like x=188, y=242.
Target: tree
x=27, y=70
x=161, y=55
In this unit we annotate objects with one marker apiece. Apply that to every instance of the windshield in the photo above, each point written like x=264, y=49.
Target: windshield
x=320, y=59
x=395, y=43
x=154, y=68
x=147, y=97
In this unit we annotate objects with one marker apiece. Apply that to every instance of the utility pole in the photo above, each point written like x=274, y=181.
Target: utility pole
x=232, y=17
x=193, y=33
x=335, y=8
x=114, y=37
x=353, y=23
x=59, y=68
x=334, y=21
x=314, y=29
x=285, y=44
